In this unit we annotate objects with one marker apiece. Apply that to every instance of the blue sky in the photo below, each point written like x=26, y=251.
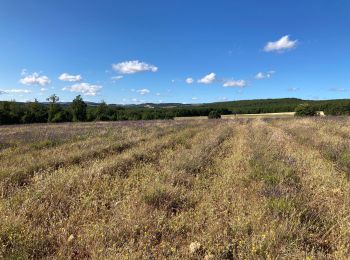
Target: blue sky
x=174, y=51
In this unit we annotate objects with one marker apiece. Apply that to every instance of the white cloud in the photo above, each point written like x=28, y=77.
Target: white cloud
x=131, y=67
x=263, y=75
x=189, y=80
x=70, y=78
x=143, y=91
x=235, y=83
x=223, y=98
x=208, y=79
x=85, y=88
x=43, y=89
x=35, y=79
x=194, y=98
x=281, y=45
x=158, y=94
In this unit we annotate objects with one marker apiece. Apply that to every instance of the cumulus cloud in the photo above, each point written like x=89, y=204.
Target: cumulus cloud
x=235, y=84
x=194, y=98
x=189, y=80
x=281, y=45
x=208, y=79
x=263, y=75
x=143, y=91
x=131, y=67
x=34, y=79
x=70, y=78
x=84, y=88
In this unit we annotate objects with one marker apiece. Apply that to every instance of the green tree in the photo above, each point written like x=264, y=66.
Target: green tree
x=35, y=113
x=54, y=108
x=10, y=112
x=214, y=115
x=78, y=109
x=305, y=110
x=102, y=112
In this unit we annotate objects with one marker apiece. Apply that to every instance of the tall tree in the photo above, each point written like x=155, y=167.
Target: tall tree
x=102, y=112
x=78, y=109
x=54, y=108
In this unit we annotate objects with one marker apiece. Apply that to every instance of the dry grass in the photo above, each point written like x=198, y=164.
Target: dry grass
x=221, y=189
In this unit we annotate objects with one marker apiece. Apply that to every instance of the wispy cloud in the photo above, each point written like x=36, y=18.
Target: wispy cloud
x=131, y=67
x=338, y=89
x=116, y=78
x=15, y=91
x=208, y=79
x=264, y=75
x=34, y=79
x=24, y=72
x=70, y=78
x=281, y=45
x=293, y=89
x=135, y=100
x=84, y=88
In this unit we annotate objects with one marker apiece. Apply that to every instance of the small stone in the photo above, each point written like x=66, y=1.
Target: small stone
x=70, y=238
x=209, y=256
x=195, y=248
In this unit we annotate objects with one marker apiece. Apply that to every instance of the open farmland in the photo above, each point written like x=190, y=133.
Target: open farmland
x=214, y=189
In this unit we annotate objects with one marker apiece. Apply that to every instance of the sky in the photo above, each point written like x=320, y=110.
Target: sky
x=183, y=51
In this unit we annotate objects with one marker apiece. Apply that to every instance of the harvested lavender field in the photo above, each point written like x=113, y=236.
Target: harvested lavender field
x=214, y=189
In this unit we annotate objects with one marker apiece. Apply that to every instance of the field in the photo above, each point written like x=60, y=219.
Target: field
x=182, y=189
x=240, y=116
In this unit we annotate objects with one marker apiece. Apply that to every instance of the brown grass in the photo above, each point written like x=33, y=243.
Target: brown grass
x=221, y=189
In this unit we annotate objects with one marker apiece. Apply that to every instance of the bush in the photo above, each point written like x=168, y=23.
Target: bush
x=214, y=115
x=305, y=110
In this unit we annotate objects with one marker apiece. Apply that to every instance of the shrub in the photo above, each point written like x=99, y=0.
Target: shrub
x=305, y=110
x=214, y=115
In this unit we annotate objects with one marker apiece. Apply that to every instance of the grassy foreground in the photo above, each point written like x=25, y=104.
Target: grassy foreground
x=192, y=189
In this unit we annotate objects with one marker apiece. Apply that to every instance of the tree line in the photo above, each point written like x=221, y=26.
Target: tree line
x=12, y=112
